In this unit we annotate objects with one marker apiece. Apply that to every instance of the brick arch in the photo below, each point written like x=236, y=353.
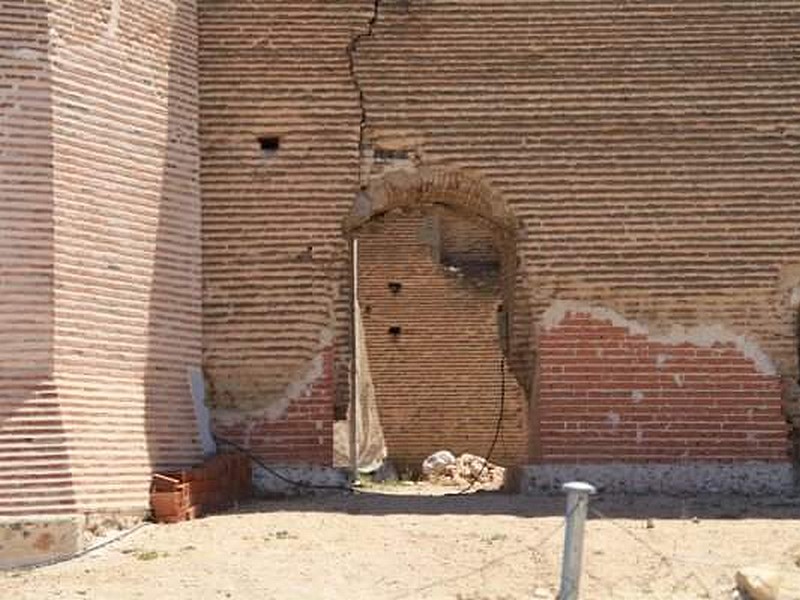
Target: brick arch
x=470, y=196
x=467, y=193
x=427, y=186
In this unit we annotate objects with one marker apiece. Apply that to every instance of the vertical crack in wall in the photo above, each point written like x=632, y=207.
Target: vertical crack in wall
x=352, y=48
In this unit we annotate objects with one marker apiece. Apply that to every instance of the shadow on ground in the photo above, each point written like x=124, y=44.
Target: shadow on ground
x=385, y=503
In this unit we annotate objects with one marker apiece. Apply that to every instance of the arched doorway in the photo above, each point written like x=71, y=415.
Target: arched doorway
x=443, y=318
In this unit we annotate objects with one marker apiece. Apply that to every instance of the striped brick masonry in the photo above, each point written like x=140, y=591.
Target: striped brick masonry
x=645, y=153
x=100, y=252
x=640, y=159
x=127, y=242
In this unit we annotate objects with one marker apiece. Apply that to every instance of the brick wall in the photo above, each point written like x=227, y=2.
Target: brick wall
x=647, y=155
x=127, y=241
x=275, y=264
x=100, y=296
x=438, y=382
x=610, y=392
x=647, y=152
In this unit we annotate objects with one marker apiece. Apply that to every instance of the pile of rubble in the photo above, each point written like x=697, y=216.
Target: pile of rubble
x=444, y=468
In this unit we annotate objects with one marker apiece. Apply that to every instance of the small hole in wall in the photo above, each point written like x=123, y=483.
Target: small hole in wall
x=395, y=330
x=383, y=155
x=395, y=287
x=269, y=145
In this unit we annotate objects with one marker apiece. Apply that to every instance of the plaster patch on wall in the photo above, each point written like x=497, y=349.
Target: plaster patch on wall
x=276, y=409
x=362, y=207
x=704, y=336
x=30, y=54
x=197, y=387
x=794, y=297
x=789, y=284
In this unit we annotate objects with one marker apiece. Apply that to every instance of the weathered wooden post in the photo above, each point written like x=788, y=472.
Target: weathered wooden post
x=577, y=507
x=353, y=415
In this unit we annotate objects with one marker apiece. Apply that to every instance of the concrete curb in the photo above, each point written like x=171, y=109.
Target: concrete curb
x=750, y=478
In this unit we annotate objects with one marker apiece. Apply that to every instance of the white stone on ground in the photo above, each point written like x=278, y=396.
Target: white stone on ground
x=768, y=583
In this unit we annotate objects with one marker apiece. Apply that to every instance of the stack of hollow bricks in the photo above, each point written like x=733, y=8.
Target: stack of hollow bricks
x=218, y=483
x=608, y=393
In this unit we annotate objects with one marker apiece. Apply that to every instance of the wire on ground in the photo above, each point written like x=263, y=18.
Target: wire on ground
x=655, y=551
x=490, y=564
x=277, y=474
x=93, y=548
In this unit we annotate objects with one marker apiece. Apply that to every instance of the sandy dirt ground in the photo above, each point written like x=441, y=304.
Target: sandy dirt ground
x=408, y=542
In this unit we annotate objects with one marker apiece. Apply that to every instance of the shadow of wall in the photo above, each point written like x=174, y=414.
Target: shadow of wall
x=174, y=330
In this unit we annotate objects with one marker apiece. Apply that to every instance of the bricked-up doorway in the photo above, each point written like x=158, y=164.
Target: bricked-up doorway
x=437, y=293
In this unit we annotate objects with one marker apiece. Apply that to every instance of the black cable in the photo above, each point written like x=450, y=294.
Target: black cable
x=497, y=427
x=107, y=542
x=277, y=474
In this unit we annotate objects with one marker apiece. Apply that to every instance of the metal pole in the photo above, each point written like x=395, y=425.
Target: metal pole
x=577, y=507
x=353, y=412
